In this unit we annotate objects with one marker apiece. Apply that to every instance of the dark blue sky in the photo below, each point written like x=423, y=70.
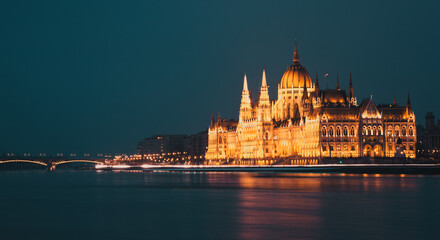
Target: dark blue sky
x=97, y=76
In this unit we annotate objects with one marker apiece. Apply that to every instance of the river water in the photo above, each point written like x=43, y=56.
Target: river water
x=163, y=205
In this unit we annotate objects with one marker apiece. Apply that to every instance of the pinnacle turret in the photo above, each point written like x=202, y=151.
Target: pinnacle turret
x=408, y=106
x=212, y=120
x=263, y=80
x=337, y=82
x=317, y=85
x=245, y=85
x=295, y=54
x=246, y=103
x=263, y=111
x=263, y=98
x=219, y=119
x=304, y=96
x=350, y=89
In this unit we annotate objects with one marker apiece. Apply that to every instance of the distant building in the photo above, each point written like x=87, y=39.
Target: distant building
x=307, y=122
x=197, y=144
x=171, y=148
x=428, y=138
x=159, y=144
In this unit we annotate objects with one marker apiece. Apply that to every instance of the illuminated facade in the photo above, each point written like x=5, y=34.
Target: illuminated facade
x=309, y=123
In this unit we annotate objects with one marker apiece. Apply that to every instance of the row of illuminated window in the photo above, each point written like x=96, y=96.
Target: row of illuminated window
x=331, y=132
x=366, y=131
x=398, y=132
x=338, y=148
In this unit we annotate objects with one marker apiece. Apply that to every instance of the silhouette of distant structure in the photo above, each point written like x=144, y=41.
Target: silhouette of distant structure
x=174, y=148
x=428, y=138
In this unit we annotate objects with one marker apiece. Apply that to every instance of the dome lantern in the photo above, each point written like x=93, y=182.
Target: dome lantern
x=296, y=75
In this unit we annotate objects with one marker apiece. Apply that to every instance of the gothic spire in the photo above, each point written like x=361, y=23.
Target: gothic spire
x=263, y=98
x=337, y=82
x=317, y=85
x=408, y=106
x=295, y=54
x=317, y=80
x=350, y=89
x=263, y=81
x=212, y=120
x=246, y=102
x=245, y=85
x=304, y=97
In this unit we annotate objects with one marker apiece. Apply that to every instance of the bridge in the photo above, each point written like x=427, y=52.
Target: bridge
x=51, y=164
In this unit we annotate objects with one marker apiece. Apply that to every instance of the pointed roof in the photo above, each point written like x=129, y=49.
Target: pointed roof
x=337, y=82
x=263, y=96
x=311, y=109
x=317, y=80
x=245, y=85
x=317, y=85
x=212, y=120
x=263, y=80
x=351, y=82
x=219, y=119
x=304, y=96
x=408, y=106
x=295, y=54
x=368, y=109
x=350, y=89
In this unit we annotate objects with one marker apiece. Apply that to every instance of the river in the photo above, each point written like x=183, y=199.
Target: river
x=183, y=205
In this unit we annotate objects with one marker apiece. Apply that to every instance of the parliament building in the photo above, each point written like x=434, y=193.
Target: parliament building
x=307, y=123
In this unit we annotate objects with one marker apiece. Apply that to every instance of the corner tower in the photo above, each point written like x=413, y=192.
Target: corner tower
x=264, y=107
x=246, y=102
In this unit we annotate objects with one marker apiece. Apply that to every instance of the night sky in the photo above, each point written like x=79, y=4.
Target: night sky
x=98, y=76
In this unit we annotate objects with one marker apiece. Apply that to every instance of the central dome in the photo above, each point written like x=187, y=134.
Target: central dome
x=296, y=74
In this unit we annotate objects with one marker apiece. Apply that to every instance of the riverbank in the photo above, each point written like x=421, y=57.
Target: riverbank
x=321, y=168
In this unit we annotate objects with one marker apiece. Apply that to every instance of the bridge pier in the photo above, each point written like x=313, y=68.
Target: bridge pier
x=50, y=167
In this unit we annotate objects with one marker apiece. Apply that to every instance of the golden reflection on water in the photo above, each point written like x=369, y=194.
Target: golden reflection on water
x=292, y=203
x=283, y=203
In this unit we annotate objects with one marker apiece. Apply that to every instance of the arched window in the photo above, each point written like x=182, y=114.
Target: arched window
x=324, y=132
x=370, y=131
x=396, y=131
x=364, y=130
x=374, y=131
x=345, y=131
x=352, y=132
x=390, y=131
x=330, y=132
x=338, y=131
x=267, y=136
x=380, y=131
x=403, y=131
x=411, y=131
